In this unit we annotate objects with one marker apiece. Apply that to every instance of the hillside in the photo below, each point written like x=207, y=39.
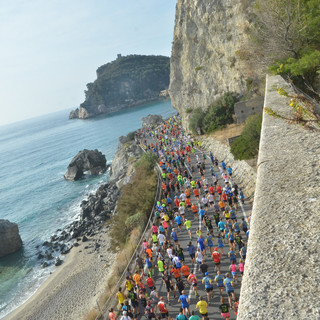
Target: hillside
x=123, y=83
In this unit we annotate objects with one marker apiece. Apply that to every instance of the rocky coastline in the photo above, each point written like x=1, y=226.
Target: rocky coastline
x=95, y=211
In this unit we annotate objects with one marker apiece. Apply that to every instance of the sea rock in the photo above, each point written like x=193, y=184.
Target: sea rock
x=152, y=120
x=57, y=261
x=44, y=265
x=86, y=160
x=10, y=240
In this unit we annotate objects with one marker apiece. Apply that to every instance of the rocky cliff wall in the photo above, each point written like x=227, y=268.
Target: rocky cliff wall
x=282, y=267
x=204, y=62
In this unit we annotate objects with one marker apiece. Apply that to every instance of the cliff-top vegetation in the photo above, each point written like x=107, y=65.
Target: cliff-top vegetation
x=285, y=38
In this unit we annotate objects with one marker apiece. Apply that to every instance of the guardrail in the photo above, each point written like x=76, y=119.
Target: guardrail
x=112, y=301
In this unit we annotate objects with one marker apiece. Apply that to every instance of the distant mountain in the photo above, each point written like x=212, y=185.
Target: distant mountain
x=123, y=83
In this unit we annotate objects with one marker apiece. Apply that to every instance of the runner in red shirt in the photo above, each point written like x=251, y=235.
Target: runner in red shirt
x=216, y=258
x=150, y=282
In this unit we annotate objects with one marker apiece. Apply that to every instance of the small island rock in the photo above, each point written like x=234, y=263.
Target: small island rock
x=86, y=160
x=10, y=240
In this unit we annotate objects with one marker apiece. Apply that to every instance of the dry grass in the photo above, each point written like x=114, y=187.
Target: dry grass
x=91, y=315
x=230, y=131
x=122, y=259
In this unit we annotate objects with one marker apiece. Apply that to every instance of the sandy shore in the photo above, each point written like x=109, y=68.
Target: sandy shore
x=75, y=287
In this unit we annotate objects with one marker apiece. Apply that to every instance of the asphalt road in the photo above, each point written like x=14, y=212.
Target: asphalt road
x=243, y=211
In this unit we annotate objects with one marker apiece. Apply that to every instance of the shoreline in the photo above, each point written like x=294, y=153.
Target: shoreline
x=77, y=285
x=74, y=287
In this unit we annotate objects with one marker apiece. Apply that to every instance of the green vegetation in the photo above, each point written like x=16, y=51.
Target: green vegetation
x=136, y=201
x=127, y=81
x=189, y=110
x=247, y=145
x=130, y=136
x=286, y=39
x=198, y=68
x=217, y=116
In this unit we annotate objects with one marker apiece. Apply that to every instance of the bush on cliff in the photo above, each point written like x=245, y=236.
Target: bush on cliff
x=217, y=115
x=247, y=145
x=285, y=37
x=136, y=201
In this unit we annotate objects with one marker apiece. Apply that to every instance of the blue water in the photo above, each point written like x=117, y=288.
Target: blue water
x=34, y=155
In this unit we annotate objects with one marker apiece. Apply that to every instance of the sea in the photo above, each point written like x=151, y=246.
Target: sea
x=34, y=156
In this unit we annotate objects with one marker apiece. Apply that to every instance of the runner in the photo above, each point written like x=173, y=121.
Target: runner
x=202, y=305
x=208, y=286
x=184, y=303
x=163, y=309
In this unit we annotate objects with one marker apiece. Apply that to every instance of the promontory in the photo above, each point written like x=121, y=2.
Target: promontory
x=123, y=83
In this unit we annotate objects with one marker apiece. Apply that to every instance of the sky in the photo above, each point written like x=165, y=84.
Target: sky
x=51, y=49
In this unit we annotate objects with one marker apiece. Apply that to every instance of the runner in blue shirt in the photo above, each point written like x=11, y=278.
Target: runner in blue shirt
x=184, y=299
x=208, y=286
x=219, y=280
x=178, y=221
x=174, y=236
x=201, y=244
x=202, y=212
x=228, y=283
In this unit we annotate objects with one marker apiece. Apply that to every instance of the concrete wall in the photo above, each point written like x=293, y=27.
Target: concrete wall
x=282, y=272
x=244, y=174
x=244, y=109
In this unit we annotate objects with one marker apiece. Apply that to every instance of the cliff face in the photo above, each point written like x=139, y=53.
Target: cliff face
x=122, y=166
x=124, y=83
x=205, y=59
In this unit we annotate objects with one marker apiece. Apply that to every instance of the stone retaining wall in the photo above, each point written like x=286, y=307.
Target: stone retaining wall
x=282, y=271
x=244, y=174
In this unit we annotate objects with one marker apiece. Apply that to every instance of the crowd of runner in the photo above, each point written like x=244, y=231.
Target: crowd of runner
x=204, y=208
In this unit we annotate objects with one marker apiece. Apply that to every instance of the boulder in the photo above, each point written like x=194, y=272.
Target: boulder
x=92, y=161
x=152, y=120
x=57, y=261
x=10, y=240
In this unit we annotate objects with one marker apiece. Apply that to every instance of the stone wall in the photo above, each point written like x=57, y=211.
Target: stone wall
x=243, y=172
x=282, y=271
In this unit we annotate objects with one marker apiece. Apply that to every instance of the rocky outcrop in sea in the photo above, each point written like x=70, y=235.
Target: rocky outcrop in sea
x=95, y=210
x=92, y=161
x=10, y=240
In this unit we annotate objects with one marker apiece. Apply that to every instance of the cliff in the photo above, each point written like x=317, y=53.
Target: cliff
x=126, y=82
x=122, y=166
x=204, y=62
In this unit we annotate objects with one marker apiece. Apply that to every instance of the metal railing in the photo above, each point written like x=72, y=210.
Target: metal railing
x=112, y=301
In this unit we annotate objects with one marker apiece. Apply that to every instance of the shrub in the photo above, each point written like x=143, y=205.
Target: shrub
x=136, y=201
x=219, y=114
x=130, y=136
x=247, y=145
x=196, y=120
x=189, y=110
x=198, y=68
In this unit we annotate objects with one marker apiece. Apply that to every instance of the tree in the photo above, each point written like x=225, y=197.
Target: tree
x=286, y=38
x=196, y=120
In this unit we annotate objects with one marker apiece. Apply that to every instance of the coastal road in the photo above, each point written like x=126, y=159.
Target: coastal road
x=243, y=211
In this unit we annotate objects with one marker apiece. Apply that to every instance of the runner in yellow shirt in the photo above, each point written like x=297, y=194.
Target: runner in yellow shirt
x=187, y=223
x=120, y=297
x=202, y=305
